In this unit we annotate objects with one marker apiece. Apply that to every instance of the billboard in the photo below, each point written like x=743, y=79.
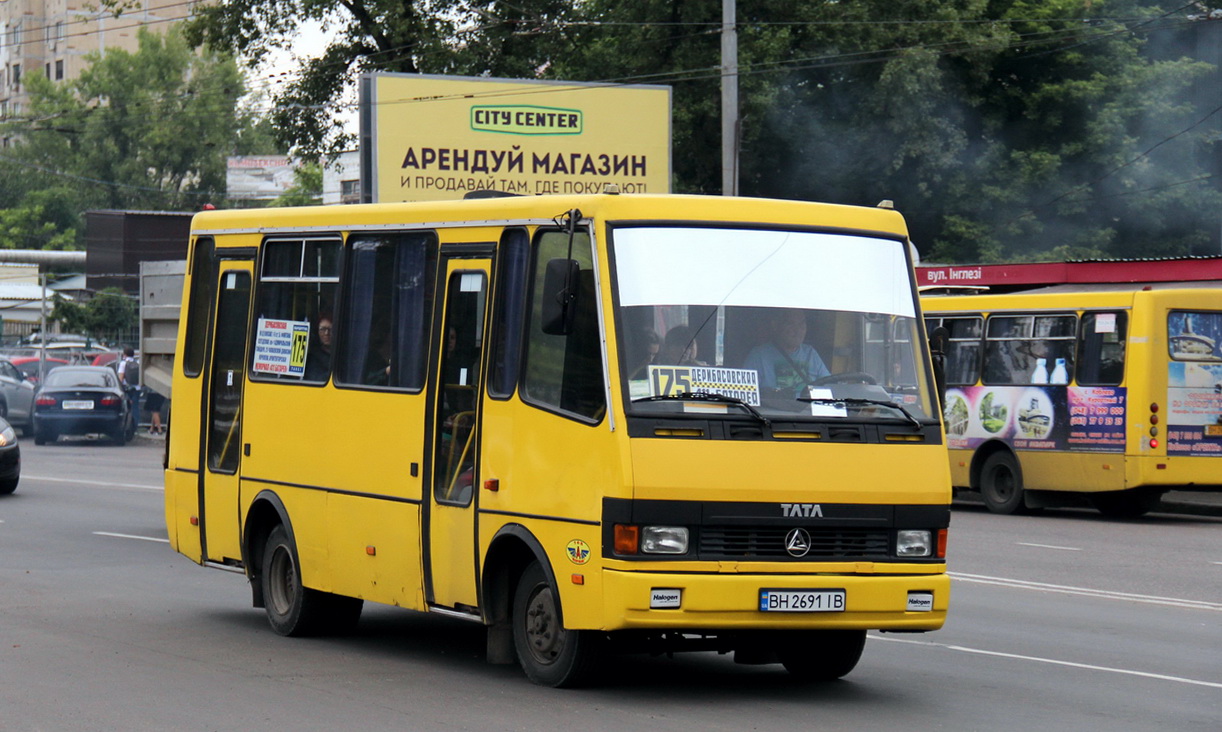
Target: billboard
x=258, y=177
x=429, y=138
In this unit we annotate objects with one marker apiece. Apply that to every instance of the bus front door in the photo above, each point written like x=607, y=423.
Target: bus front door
x=223, y=417
x=451, y=532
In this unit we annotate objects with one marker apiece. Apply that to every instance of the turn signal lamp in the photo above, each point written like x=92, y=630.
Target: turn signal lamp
x=942, y=536
x=627, y=539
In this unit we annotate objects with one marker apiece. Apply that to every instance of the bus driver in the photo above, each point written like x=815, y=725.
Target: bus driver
x=786, y=363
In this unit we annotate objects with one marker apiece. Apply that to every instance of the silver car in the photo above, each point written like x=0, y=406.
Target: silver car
x=16, y=397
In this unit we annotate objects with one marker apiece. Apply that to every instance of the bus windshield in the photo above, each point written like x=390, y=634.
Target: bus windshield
x=780, y=324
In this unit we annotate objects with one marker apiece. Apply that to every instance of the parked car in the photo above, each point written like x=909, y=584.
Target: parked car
x=29, y=366
x=81, y=400
x=16, y=396
x=10, y=459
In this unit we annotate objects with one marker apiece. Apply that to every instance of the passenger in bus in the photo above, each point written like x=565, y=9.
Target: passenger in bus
x=679, y=348
x=646, y=347
x=786, y=363
x=318, y=360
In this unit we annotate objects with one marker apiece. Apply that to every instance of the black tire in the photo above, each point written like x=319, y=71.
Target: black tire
x=8, y=486
x=550, y=654
x=1126, y=504
x=1001, y=484
x=294, y=610
x=41, y=437
x=821, y=655
x=3, y=410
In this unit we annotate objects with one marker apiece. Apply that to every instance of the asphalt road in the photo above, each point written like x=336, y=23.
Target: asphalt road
x=1065, y=620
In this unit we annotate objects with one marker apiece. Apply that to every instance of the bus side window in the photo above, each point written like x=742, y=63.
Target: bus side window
x=1101, y=348
x=199, y=306
x=389, y=281
x=963, y=349
x=508, y=311
x=297, y=283
x=565, y=372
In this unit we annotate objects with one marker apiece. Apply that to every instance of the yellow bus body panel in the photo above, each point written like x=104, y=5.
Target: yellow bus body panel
x=715, y=470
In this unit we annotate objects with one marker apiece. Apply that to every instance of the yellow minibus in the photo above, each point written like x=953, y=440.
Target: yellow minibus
x=1106, y=394
x=591, y=424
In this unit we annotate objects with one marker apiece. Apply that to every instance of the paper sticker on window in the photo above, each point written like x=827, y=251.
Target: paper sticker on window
x=824, y=405
x=1105, y=323
x=281, y=346
x=736, y=383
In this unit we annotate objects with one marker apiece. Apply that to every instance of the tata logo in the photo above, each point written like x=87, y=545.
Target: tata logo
x=526, y=119
x=803, y=510
x=797, y=542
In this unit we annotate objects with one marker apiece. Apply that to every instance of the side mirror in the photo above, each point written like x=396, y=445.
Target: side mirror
x=559, y=296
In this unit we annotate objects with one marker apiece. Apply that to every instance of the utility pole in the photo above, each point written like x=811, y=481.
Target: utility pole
x=729, y=99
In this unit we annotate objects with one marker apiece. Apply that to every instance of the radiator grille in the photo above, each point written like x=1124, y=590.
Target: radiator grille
x=747, y=542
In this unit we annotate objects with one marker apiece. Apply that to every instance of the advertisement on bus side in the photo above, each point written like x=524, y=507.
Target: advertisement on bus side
x=1037, y=417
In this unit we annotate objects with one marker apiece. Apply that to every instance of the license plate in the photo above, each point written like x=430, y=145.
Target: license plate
x=1213, y=430
x=84, y=404
x=802, y=601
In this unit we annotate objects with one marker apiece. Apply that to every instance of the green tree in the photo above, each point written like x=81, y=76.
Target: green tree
x=109, y=316
x=306, y=189
x=149, y=129
x=1003, y=129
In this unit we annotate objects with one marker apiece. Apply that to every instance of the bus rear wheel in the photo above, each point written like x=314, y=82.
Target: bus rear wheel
x=296, y=610
x=1001, y=484
x=549, y=653
x=821, y=655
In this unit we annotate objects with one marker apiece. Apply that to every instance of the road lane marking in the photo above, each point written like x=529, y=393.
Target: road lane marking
x=132, y=536
x=1086, y=592
x=1050, y=546
x=1054, y=662
x=102, y=484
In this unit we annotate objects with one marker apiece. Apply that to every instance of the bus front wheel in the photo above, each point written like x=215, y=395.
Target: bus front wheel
x=296, y=610
x=549, y=653
x=1001, y=484
x=821, y=655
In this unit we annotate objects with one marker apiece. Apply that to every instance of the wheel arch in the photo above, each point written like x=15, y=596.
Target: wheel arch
x=986, y=451
x=510, y=552
x=266, y=512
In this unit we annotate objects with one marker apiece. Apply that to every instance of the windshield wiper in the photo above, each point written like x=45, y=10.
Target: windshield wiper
x=706, y=397
x=859, y=400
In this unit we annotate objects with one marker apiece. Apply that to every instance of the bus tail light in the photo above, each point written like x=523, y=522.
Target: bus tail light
x=1154, y=443
x=627, y=539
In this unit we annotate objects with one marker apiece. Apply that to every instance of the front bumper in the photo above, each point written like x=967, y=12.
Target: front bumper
x=712, y=602
x=79, y=424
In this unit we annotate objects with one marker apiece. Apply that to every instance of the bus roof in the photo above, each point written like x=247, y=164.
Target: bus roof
x=496, y=211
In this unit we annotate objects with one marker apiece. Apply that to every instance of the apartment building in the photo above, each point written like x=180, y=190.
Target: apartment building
x=53, y=37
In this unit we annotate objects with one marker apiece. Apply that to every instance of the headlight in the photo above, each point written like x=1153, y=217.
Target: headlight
x=8, y=436
x=664, y=540
x=913, y=543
